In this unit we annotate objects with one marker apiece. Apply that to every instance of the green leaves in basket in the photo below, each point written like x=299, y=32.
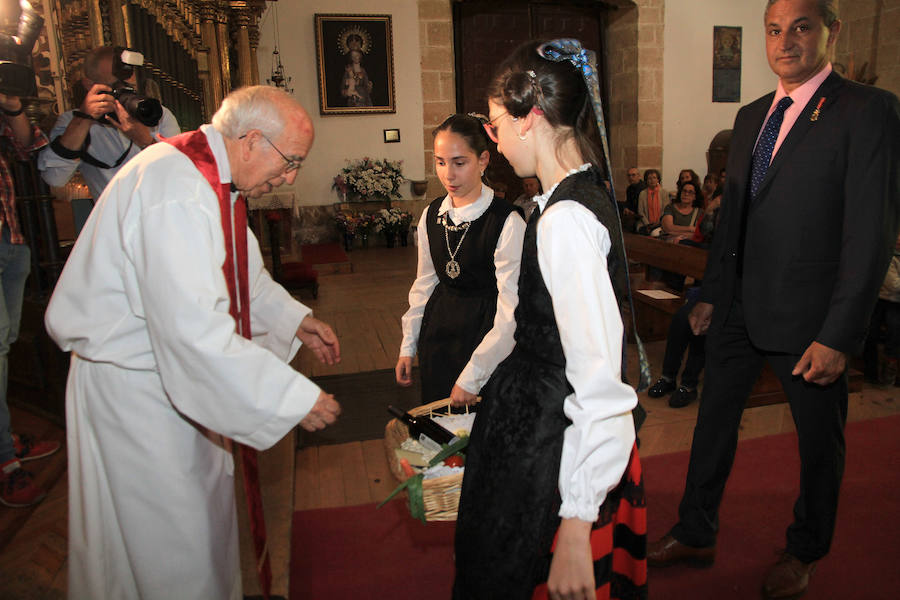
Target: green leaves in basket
x=416, y=499
x=413, y=485
x=449, y=450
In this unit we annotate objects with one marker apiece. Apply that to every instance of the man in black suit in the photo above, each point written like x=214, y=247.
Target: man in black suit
x=810, y=216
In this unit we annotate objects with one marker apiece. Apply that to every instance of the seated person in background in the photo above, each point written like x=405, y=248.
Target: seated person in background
x=650, y=203
x=721, y=185
x=710, y=183
x=679, y=339
x=679, y=219
x=526, y=200
x=887, y=313
x=636, y=185
x=691, y=175
x=628, y=208
x=80, y=141
x=499, y=190
x=703, y=233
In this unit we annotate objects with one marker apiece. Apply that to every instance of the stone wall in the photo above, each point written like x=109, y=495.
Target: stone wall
x=870, y=35
x=634, y=40
x=438, y=82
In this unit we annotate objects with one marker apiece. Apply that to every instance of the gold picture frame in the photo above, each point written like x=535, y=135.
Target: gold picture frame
x=355, y=63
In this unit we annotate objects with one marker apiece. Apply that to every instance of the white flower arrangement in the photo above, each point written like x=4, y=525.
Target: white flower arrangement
x=369, y=177
x=392, y=220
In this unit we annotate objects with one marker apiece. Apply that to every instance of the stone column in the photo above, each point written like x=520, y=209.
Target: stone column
x=635, y=62
x=651, y=26
x=208, y=35
x=117, y=23
x=222, y=38
x=242, y=41
x=254, y=59
x=869, y=37
x=438, y=77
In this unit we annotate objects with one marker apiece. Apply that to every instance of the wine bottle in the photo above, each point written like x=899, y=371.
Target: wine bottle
x=423, y=426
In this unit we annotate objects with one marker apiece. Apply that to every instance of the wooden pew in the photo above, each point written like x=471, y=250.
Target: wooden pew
x=653, y=316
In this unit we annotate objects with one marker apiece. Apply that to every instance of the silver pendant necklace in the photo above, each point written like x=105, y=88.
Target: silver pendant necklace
x=453, y=269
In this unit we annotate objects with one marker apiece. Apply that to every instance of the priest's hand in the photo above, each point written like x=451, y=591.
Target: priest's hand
x=133, y=129
x=700, y=317
x=460, y=397
x=403, y=371
x=323, y=413
x=572, y=568
x=320, y=338
x=820, y=364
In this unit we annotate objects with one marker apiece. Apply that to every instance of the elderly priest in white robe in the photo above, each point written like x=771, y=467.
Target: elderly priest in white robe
x=157, y=302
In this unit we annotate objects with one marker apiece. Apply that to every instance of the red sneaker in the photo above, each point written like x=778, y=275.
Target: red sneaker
x=17, y=487
x=28, y=449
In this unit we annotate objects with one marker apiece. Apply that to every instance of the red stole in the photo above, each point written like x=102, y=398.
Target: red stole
x=194, y=145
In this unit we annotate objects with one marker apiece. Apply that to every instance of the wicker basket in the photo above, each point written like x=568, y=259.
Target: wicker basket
x=441, y=494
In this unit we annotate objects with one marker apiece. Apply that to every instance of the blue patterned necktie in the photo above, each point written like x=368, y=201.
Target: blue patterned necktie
x=763, y=155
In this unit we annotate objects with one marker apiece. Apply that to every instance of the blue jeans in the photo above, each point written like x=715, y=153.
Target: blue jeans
x=15, y=264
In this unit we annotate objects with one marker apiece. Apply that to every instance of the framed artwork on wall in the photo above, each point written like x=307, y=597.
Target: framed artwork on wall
x=355, y=64
x=727, y=64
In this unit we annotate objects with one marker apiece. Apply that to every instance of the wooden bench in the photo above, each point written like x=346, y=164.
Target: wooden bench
x=653, y=316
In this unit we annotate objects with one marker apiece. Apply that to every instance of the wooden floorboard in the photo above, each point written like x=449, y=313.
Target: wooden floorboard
x=378, y=474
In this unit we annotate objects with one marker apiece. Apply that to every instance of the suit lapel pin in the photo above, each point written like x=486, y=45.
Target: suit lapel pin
x=815, y=114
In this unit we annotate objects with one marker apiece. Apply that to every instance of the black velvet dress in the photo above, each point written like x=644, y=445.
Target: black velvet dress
x=509, y=504
x=460, y=311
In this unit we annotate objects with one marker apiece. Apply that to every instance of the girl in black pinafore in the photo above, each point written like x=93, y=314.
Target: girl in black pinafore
x=552, y=498
x=460, y=320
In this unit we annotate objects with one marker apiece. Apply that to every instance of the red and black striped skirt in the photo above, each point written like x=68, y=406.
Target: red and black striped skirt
x=619, y=540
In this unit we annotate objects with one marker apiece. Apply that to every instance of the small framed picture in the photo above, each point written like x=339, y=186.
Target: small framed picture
x=727, y=64
x=391, y=136
x=355, y=64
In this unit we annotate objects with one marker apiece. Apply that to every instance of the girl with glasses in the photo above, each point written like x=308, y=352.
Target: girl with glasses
x=460, y=318
x=552, y=481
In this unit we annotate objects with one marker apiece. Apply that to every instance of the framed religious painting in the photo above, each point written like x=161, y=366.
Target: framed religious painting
x=726, y=64
x=355, y=64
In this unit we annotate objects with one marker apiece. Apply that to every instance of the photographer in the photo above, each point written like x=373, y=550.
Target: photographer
x=19, y=138
x=101, y=135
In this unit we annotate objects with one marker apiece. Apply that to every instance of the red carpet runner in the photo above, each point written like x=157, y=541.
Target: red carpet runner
x=358, y=552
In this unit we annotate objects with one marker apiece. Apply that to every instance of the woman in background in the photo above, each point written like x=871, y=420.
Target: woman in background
x=651, y=202
x=681, y=216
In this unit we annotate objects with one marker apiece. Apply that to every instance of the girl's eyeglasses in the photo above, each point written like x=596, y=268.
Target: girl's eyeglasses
x=491, y=129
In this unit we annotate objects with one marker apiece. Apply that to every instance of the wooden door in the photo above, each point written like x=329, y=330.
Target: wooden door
x=485, y=33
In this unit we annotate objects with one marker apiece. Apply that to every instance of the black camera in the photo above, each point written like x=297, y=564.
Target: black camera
x=146, y=110
x=16, y=74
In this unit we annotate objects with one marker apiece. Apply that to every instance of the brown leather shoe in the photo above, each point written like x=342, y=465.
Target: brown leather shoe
x=788, y=579
x=669, y=551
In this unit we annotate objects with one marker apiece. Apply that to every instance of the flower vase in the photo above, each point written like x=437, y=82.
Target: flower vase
x=404, y=238
x=390, y=238
x=348, y=241
x=364, y=239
